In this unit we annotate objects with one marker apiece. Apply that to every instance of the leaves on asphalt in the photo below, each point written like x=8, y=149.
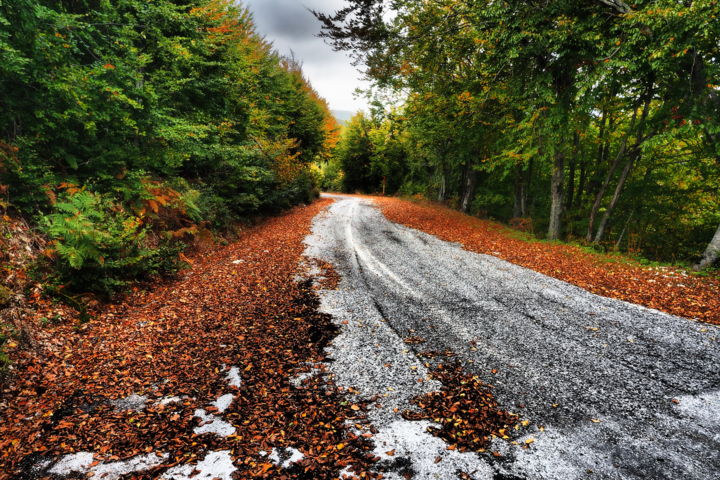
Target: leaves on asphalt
x=469, y=415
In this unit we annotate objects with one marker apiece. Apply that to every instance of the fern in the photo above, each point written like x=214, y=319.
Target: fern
x=97, y=244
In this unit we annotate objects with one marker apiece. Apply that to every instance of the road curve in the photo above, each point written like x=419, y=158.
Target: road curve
x=621, y=391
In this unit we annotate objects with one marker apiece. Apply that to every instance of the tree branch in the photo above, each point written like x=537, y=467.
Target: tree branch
x=618, y=5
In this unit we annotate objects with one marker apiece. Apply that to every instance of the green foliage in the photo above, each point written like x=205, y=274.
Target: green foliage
x=354, y=153
x=160, y=116
x=97, y=244
x=332, y=175
x=599, y=120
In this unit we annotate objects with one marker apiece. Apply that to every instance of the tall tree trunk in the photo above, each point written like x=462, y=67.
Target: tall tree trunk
x=571, y=174
x=711, y=252
x=469, y=187
x=606, y=182
x=527, y=189
x=441, y=190
x=581, y=183
x=556, y=192
x=517, y=204
x=520, y=193
x=616, y=196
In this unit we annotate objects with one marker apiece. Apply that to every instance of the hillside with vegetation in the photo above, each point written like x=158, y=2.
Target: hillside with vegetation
x=130, y=130
x=127, y=128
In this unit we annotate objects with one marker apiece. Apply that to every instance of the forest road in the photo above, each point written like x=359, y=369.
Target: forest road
x=619, y=390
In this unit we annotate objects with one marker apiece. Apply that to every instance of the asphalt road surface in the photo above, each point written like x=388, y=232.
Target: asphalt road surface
x=619, y=390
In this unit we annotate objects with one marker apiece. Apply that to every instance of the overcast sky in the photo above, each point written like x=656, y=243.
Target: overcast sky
x=290, y=26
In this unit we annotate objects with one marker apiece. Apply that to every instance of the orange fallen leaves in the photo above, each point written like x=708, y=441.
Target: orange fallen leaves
x=176, y=340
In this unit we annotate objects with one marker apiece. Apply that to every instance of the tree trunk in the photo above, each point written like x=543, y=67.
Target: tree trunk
x=711, y=252
x=624, y=230
x=526, y=199
x=556, y=192
x=469, y=187
x=571, y=174
x=441, y=191
x=443, y=184
x=616, y=196
x=581, y=183
x=606, y=182
x=517, y=206
x=520, y=195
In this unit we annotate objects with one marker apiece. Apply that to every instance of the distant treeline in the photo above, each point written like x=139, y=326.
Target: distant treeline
x=127, y=127
x=595, y=120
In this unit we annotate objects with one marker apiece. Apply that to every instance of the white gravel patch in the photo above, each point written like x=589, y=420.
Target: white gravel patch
x=704, y=407
x=212, y=424
x=80, y=463
x=73, y=463
x=233, y=377
x=285, y=457
x=224, y=402
x=429, y=455
x=169, y=400
x=133, y=402
x=216, y=465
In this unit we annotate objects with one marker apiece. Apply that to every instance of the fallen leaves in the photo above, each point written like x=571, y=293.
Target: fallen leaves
x=661, y=288
x=175, y=344
x=465, y=408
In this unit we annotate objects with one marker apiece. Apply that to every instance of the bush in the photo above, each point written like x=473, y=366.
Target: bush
x=98, y=246
x=411, y=189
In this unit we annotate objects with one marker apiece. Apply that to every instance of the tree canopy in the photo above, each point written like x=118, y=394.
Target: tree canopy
x=152, y=120
x=597, y=120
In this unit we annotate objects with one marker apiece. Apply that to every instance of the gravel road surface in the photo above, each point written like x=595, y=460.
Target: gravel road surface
x=620, y=391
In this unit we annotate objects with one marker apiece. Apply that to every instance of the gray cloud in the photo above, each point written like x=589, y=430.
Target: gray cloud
x=290, y=26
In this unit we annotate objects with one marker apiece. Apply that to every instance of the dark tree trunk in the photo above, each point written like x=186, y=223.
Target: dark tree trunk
x=556, y=192
x=519, y=192
x=469, y=183
x=527, y=189
x=523, y=176
x=581, y=183
x=571, y=174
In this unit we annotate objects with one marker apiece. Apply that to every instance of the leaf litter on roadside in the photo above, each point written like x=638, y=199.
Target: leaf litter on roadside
x=662, y=288
x=238, y=311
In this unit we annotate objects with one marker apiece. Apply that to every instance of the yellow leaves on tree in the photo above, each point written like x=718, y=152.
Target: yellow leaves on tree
x=283, y=153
